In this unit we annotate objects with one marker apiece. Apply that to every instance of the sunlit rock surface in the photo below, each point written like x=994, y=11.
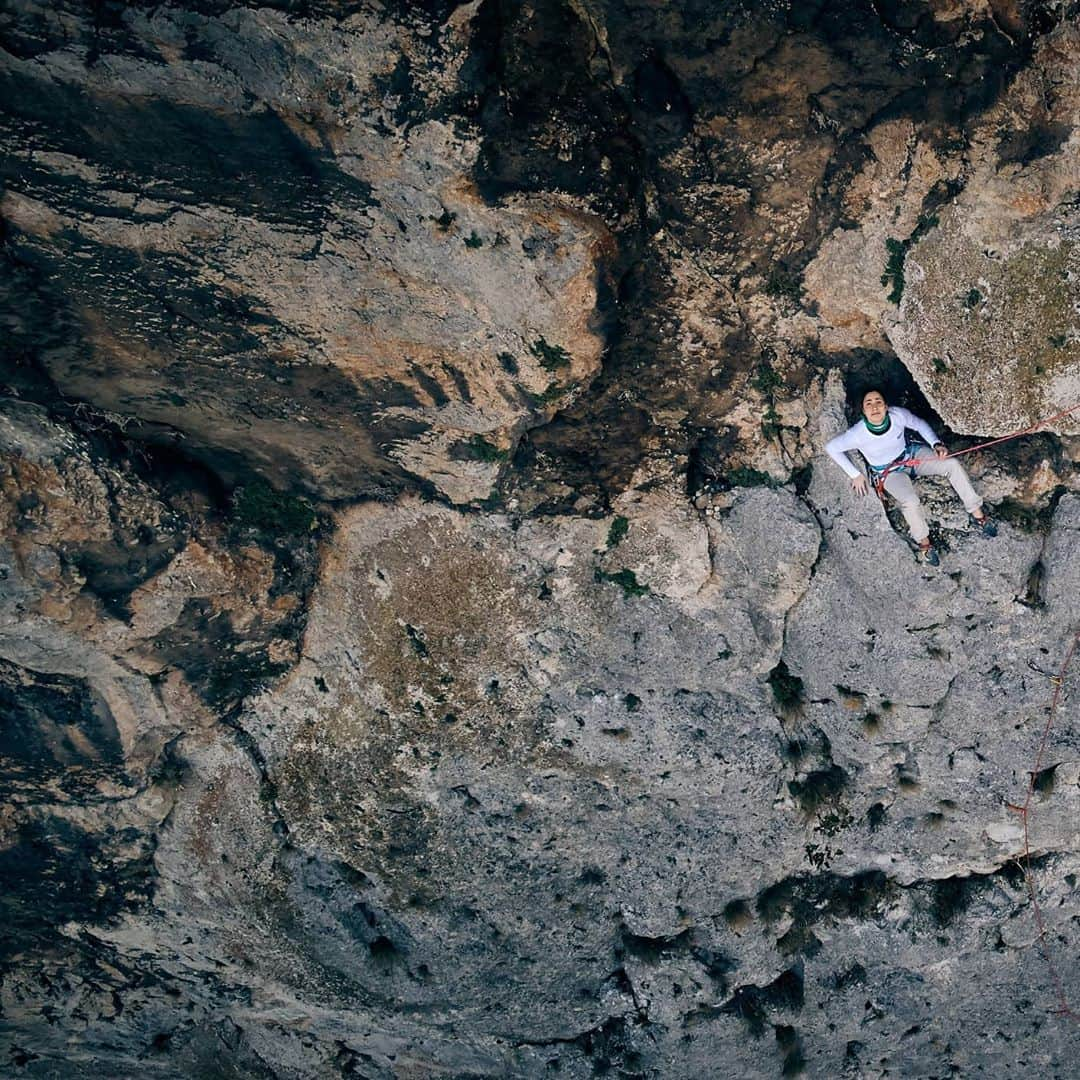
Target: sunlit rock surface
x=263, y=250
x=989, y=323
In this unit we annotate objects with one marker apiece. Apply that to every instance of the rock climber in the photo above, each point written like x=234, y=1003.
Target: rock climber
x=881, y=436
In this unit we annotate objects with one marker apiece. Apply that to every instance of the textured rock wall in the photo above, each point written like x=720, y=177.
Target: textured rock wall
x=264, y=250
x=432, y=641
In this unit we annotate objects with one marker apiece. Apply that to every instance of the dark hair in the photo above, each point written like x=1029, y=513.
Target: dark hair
x=857, y=391
x=870, y=389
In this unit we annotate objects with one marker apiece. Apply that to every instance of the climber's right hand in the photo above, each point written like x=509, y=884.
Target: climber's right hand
x=859, y=485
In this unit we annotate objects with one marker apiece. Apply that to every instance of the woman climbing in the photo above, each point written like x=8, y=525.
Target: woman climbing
x=881, y=436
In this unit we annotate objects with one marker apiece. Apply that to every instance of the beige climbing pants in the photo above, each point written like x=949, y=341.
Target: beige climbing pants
x=898, y=484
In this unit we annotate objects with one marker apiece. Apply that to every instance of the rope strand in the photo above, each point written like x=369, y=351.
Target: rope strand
x=1026, y=811
x=880, y=478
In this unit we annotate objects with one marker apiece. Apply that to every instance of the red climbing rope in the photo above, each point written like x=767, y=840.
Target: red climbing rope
x=902, y=463
x=1025, y=812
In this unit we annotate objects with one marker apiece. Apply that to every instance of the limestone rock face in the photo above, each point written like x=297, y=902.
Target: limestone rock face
x=886, y=198
x=266, y=252
x=432, y=639
x=992, y=333
x=500, y=771
x=989, y=322
x=986, y=281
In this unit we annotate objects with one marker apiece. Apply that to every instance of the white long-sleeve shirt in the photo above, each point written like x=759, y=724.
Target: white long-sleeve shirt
x=878, y=449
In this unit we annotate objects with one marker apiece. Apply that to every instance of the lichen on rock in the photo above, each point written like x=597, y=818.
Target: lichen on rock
x=993, y=334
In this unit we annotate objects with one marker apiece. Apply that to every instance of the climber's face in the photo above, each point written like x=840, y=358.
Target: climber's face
x=874, y=407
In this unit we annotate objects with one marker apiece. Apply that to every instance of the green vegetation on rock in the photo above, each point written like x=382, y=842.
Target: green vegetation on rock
x=770, y=422
x=482, y=450
x=896, y=253
x=744, y=476
x=619, y=528
x=626, y=580
x=551, y=393
x=894, y=269
x=766, y=379
x=258, y=506
x=783, y=285
x=551, y=357
x=925, y=223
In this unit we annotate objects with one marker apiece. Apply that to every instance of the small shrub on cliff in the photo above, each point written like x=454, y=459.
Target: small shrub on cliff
x=744, y=476
x=553, y=392
x=626, y=580
x=619, y=528
x=766, y=379
x=770, y=422
x=482, y=450
x=782, y=285
x=894, y=269
x=551, y=357
x=258, y=506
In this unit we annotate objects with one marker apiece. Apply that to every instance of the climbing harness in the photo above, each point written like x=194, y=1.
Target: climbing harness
x=904, y=463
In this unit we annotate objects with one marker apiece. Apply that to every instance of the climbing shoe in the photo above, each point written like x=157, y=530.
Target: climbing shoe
x=983, y=524
x=929, y=553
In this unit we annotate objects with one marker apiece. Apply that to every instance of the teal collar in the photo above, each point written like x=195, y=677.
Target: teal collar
x=878, y=429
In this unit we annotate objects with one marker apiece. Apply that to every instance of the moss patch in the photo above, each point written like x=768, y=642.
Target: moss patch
x=619, y=528
x=551, y=357
x=258, y=506
x=626, y=580
x=482, y=450
x=893, y=277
